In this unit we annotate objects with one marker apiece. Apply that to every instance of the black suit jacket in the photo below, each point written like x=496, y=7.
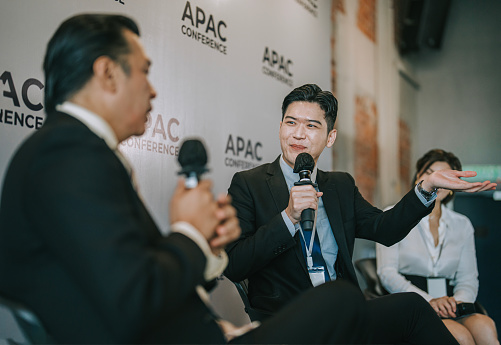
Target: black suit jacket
x=78, y=247
x=272, y=260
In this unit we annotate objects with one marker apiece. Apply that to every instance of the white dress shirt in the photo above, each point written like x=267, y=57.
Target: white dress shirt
x=453, y=258
x=328, y=244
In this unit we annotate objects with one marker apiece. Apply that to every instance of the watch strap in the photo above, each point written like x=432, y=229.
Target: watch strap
x=427, y=195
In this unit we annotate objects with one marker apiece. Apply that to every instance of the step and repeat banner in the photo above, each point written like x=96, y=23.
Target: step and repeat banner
x=221, y=69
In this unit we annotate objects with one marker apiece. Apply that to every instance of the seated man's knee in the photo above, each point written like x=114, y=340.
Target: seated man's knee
x=341, y=294
x=412, y=300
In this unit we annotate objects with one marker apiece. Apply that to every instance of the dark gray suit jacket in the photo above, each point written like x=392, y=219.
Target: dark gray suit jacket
x=78, y=247
x=272, y=260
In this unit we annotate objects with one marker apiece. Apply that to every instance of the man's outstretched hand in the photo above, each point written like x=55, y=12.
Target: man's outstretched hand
x=451, y=179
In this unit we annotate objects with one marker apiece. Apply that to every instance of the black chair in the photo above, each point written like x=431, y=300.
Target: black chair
x=19, y=325
x=254, y=314
x=368, y=268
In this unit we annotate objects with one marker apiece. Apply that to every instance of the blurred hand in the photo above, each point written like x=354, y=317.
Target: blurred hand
x=445, y=306
x=450, y=179
x=231, y=331
x=228, y=228
x=195, y=206
x=301, y=198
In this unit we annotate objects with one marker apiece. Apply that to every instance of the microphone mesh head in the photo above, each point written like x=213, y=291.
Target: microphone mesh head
x=192, y=156
x=304, y=161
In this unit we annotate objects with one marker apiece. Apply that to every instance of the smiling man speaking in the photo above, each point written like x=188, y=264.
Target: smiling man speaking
x=279, y=258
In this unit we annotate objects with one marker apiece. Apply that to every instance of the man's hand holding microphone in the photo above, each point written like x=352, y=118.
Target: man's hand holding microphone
x=303, y=198
x=194, y=203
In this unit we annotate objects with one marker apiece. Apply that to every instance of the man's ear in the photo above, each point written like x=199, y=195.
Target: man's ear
x=331, y=138
x=105, y=71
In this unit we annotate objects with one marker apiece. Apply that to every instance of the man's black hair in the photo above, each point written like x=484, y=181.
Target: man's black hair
x=76, y=44
x=314, y=94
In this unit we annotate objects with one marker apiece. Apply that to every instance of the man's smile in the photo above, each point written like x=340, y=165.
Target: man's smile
x=297, y=147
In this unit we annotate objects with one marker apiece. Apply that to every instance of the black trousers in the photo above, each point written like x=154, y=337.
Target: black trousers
x=337, y=313
x=406, y=318
x=332, y=313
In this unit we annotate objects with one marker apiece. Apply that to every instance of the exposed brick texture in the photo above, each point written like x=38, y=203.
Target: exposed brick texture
x=404, y=154
x=366, y=18
x=333, y=68
x=366, y=146
x=337, y=6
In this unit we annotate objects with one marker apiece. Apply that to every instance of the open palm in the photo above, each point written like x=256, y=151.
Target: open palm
x=451, y=179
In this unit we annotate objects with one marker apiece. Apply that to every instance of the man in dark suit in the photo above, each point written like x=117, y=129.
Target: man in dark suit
x=280, y=260
x=78, y=246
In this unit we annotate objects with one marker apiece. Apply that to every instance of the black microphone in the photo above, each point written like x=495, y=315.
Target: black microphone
x=304, y=165
x=193, y=160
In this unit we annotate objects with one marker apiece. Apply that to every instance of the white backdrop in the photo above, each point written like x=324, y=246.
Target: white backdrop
x=221, y=69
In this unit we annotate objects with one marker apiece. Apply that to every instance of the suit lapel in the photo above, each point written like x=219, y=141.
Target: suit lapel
x=333, y=210
x=280, y=194
x=277, y=185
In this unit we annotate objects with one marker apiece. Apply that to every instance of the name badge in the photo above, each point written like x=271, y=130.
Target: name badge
x=317, y=276
x=437, y=287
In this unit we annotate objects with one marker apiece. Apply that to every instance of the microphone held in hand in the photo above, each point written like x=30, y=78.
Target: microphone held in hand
x=193, y=160
x=304, y=165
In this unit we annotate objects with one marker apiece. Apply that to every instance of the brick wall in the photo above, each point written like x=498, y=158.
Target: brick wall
x=364, y=141
x=333, y=67
x=366, y=146
x=366, y=18
x=404, y=155
x=337, y=6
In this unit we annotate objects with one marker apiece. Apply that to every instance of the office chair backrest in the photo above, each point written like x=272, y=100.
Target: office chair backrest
x=254, y=314
x=19, y=325
x=368, y=269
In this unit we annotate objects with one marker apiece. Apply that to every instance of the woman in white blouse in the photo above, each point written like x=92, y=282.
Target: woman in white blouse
x=442, y=247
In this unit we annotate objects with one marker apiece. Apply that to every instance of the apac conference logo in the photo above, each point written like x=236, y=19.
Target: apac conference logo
x=310, y=5
x=161, y=136
x=204, y=30
x=31, y=89
x=242, y=154
x=277, y=66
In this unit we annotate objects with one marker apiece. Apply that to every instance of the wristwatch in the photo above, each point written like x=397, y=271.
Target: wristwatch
x=427, y=195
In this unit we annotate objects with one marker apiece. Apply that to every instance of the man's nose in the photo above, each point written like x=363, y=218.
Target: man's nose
x=300, y=132
x=153, y=92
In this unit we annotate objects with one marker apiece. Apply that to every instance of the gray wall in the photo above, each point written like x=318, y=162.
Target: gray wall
x=459, y=100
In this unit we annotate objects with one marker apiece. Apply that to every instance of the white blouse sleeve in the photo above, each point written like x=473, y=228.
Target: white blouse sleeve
x=466, y=279
x=387, y=270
